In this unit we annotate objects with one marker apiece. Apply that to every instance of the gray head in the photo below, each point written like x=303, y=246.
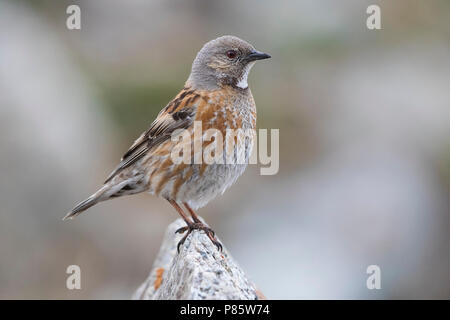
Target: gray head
x=224, y=61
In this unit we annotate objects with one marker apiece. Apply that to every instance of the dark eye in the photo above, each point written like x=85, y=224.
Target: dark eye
x=231, y=54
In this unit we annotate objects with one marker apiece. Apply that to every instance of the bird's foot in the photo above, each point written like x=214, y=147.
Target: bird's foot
x=198, y=226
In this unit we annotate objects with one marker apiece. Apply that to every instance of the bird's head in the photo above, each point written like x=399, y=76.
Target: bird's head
x=224, y=61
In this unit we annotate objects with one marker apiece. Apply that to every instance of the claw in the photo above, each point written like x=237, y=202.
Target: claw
x=179, y=245
x=214, y=241
x=181, y=230
x=198, y=226
x=218, y=245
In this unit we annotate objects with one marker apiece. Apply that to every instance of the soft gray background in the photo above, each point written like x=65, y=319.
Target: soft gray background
x=364, y=119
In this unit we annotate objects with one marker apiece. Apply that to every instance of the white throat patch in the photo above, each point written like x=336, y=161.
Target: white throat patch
x=242, y=83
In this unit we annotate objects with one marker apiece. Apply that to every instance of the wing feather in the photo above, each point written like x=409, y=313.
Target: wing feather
x=178, y=114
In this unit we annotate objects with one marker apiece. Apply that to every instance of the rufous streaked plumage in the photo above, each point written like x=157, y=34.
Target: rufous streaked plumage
x=216, y=94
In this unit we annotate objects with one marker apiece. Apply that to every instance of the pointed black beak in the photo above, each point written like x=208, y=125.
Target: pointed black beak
x=256, y=55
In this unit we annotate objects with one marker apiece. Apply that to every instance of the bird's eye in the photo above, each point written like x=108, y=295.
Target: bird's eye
x=231, y=54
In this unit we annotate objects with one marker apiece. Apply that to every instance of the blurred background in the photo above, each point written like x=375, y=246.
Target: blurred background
x=364, y=119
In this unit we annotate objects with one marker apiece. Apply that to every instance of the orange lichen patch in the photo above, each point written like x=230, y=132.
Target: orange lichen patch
x=159, y=279
x=259, y=294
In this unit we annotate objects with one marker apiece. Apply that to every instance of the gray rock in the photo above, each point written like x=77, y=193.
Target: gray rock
x=198, y=272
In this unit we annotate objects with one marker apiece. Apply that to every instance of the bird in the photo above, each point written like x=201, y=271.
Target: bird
x=217, y=96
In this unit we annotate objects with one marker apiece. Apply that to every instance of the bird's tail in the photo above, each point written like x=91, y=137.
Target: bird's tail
x=89, y=202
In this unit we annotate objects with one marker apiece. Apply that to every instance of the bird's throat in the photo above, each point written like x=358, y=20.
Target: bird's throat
x=243, y=80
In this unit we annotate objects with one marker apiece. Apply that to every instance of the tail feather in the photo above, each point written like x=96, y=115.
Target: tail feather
x=86, y=204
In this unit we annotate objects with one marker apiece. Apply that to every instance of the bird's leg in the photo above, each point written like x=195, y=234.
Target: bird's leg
x=191, y=226
x=182, y=229
x=209, y=232
x=182, y=214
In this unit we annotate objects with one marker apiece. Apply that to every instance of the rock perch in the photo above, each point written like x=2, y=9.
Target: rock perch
x=198, y=272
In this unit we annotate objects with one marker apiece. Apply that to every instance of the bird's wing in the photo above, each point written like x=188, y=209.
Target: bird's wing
x=178, y=114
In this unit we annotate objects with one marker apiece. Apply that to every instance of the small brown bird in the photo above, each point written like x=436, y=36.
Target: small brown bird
x=217, y=96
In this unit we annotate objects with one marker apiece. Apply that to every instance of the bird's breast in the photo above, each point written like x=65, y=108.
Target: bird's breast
x=223, y=128
x=227, y=109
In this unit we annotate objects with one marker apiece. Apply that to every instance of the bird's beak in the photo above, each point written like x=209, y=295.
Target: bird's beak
x=256, y=55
